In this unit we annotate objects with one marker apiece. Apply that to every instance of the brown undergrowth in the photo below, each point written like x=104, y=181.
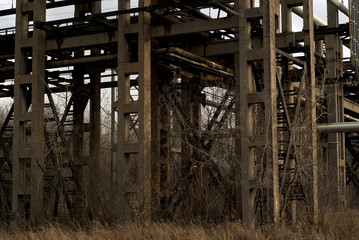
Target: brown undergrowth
x=331, y=226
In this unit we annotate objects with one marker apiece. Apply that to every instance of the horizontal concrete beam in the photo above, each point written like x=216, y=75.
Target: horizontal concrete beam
x=81, y=41
x=194, y=27
x=214, y=48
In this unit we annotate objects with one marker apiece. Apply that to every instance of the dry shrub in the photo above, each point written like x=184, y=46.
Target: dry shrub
x=132, y=231
x=340, y=225
x=344, y=225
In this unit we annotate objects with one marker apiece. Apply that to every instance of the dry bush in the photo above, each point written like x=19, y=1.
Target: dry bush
x=343, y=225
x=133, y=231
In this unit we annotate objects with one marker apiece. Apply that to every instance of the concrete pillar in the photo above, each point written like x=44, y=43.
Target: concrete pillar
x=266, y=185
x=336, y=144
x=96, y=178
x=134, y=157
x=95, y=174
x=308, y=29
x=28, y=138
x=78, y=151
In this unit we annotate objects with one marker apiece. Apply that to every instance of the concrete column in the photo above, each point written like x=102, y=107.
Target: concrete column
x=134, y=165
x=160, y=132
x=96, y=169
x=254, y=139
x=270, y=96
x=95, y=166
x=308, y=29
x=336, y=159
x=28, y=138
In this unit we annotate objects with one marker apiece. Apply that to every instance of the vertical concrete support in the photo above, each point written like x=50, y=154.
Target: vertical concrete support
x=134, y=163
x=96, y=178
x=336, y=144
x=77, y=142
x=28, y=139
x=77, y=148
x=165, y=151
x=243, y=114
x=161, y=146
x=308, y=29
x=80, y=95
x=266, y=182
x=113, y=126
x=270, y=96
x=286, y=17
x=186, y=131
x=237, y=139
x=156, y=134
x=336, y=149
x=237, y=135
x=95, y=167
x=190, y=127
x=190, y=104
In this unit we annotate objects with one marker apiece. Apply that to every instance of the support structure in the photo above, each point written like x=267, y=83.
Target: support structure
x=217, y=108
x=336, y=141
x=134, y=115
x=310, y=84
x=263, y=182
x=28, y=150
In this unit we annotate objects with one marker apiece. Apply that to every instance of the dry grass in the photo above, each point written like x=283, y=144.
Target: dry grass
x=331, y=226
